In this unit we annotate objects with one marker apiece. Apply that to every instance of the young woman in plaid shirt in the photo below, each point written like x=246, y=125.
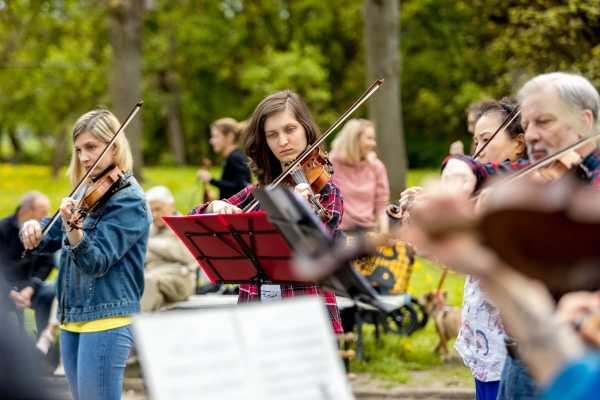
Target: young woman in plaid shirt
x=280, y=128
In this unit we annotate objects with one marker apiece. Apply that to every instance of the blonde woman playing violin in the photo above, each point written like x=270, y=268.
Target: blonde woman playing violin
x=101, y=276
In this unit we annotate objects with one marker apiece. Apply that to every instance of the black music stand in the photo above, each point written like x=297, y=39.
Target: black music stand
x=306, y=234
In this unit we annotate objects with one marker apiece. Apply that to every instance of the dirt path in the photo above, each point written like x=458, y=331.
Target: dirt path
x=432, y=385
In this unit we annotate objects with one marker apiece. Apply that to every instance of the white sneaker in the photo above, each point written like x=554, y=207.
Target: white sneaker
x=45, y=341
x=60, y=370
x=48, y=337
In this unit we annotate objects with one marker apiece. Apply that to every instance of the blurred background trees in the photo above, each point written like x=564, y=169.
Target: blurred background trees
x=198, y=60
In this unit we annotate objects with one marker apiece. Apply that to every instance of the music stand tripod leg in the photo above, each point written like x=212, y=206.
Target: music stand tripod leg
x=261, y=276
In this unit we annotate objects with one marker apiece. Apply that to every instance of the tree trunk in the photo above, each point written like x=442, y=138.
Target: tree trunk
x=382, y=29
x=125, y=30
x=16, y=144
x=60, y=153
x=171, y=99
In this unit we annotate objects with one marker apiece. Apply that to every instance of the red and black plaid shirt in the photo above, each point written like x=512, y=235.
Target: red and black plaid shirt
x=331, y=199
x=588, y=171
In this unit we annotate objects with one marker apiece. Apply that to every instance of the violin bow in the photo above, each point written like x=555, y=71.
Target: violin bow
x=79, y=185
x=442, y=279
x=342, y=118
x=507, y=121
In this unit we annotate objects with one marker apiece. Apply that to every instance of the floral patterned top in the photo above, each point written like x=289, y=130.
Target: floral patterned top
x=480, y=341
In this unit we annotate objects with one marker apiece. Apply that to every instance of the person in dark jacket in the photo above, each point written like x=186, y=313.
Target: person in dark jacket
x=236, y=174
x=24, y=276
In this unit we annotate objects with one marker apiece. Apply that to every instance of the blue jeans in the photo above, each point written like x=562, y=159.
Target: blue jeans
x=516, y=383
x=95, y=362
x=41, y=303
x=486, y=390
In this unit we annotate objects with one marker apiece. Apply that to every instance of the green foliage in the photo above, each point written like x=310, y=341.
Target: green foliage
x=17, y=180
x=53, y=66
x=219, y=58
x=224, y=57
x=275, y=70
x=443, y=71
x=545, y=36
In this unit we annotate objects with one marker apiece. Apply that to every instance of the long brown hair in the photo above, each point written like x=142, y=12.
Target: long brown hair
x=263, y=162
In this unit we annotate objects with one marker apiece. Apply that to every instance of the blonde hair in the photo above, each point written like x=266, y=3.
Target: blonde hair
x=228, y=126
x=346, y=144
x=102, y=124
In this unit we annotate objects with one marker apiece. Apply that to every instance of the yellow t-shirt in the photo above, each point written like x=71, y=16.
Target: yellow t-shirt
x=98, y=325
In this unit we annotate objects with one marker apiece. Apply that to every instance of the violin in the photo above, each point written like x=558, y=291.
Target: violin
x=557, y=168
x=394, y=212
x=547, y=231
x=95, y=195
x=397, y=212
x=314, y=172
x=555, y=165
x=317, y=169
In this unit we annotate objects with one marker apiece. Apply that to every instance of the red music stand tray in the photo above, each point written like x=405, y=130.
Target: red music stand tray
x=236, y=248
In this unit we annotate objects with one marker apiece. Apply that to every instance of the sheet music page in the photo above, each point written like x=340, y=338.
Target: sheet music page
x=279, y=350
x=292, y=353
x=190, y=355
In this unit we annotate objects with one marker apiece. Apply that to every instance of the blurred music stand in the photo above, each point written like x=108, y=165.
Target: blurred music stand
x=306, y=234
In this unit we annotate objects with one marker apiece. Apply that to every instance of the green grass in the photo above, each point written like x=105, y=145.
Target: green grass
x=417, y=177
x=19, y=179
x=399, y=359
x=396, y=359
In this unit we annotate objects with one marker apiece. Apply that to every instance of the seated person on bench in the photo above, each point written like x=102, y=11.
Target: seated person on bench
x=169, y=267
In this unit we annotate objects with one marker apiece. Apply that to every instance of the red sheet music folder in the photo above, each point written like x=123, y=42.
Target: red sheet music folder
x=236, y=248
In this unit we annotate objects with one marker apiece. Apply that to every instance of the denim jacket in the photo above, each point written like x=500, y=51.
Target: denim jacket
x=103, y=276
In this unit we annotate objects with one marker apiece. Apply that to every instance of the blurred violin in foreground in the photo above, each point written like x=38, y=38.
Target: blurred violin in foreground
x=547, y=231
